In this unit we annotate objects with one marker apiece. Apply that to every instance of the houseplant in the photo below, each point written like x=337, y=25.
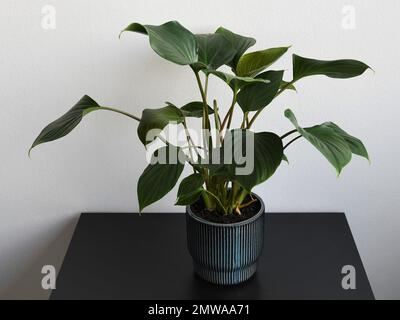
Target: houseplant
x=225, y=220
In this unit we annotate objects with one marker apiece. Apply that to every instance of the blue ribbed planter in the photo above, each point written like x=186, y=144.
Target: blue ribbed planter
x=225, y=253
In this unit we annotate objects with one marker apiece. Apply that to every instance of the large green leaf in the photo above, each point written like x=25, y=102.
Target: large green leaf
x=253, y=63
x=157, y=119
x=66, y=123
x=355, y=144
x=258, y=95
x=262, y=152
x=190, y=190
x=195, y=109
x=170, y=40
x=239, y=43
x=235, y=82
x=342, y=69
x=268, y=154
x=160, y=177
x=327, y=140
x=214, y=51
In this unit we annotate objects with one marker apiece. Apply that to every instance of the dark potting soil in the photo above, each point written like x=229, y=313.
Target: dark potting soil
x=198, y=208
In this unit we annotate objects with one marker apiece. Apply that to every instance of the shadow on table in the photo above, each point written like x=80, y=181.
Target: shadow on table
x=27, y=283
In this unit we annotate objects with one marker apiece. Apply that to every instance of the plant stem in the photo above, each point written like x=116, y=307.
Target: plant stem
x=206, y=85
x=289, y=143
x=288, y=134
x=206, y=119
x=243, y=125
x=229, y=115
x=121, y=112
x=218, y=200
x=207, y=201
x=190, y=141
x=217, y=121
x=277, y=95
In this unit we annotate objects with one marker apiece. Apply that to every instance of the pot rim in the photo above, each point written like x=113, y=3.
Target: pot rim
x=229, y=225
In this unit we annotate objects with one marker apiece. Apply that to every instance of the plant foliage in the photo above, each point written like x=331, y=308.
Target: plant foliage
x=225, y=184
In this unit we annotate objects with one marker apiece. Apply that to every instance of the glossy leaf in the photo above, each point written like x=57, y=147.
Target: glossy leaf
x=341, y=69
x=214, y=51
x=157, y=119
x=170, y=40
x=235, y=82
x=239, y=43
x=195, y=109
x=253, y=63
x=355, y=144
x=261, y=160
x=66, y=123
x=159, y=178
x=327, y=140
x=258, y=95
x=190, y=189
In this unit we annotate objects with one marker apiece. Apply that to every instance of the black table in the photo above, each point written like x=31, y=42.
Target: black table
x=127, y=256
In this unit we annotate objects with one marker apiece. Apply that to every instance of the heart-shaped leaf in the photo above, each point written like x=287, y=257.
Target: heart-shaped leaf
x=253, y=63
x=214, y=51
x=327, y=140
x=247, y=157
x=190, y=190
x=239, y=43
x=256, y=96
x=160, y=176
x=235, y=82
x=156, y=120
x=170, y=40
x=66, y=123
x=341, y=69
x=195, y=109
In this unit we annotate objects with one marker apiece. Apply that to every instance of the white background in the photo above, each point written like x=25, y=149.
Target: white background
x=44, y=72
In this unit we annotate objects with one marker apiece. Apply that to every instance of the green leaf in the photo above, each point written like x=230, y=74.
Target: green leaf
x=253, y=63
x=239, y=43
x=258, y=95
x=195, y=109
x=170, y=40
x=160, y=177
x=327, y=140
x=342, y=69
x=157, y=119
x=287, y=85
x=214, y=51
x=248, y=165
x=284, y=158
x=66, y=123
x=355, y=144
x=235, y=82
x=190, y=190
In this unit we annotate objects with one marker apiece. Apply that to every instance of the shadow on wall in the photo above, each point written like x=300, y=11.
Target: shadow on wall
x=27, y=284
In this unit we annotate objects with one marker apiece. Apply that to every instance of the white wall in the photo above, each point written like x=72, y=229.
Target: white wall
x=44, y=72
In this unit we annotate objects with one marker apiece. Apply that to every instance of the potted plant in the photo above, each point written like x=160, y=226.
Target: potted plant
x=225, y=220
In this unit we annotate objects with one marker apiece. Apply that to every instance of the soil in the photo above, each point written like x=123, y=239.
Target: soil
x=199, y=210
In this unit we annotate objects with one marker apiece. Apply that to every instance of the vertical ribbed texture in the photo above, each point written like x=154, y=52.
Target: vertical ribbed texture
x=225, y=254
